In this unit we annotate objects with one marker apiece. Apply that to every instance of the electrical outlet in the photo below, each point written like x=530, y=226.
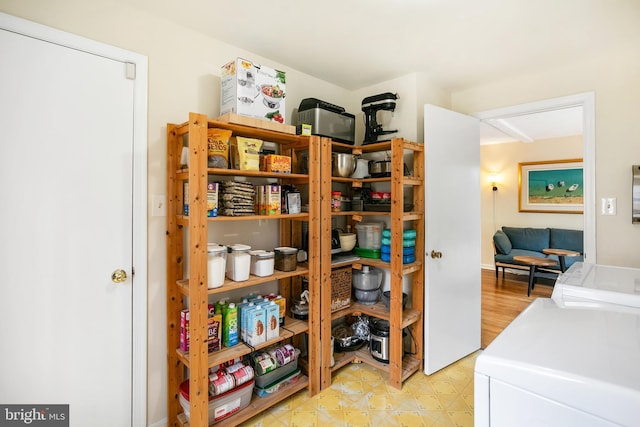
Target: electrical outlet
x=158, y=205
x=609, y=206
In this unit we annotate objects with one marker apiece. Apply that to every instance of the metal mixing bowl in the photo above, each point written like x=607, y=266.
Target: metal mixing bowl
x=343, y=164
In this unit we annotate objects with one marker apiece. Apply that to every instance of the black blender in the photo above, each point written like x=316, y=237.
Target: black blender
x=370, y=106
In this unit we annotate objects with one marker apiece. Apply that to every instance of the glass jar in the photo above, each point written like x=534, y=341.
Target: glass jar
x=335, y=201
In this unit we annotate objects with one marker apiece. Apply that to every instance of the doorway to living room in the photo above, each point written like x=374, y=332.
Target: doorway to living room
x=576, y=108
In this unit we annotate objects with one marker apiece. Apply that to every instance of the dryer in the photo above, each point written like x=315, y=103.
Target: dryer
x=561, y=366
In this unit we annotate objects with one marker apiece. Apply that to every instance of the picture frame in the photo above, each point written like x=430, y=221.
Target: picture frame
x=552, y=186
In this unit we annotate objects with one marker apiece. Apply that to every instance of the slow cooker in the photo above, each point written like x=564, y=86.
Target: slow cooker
x=379, y=341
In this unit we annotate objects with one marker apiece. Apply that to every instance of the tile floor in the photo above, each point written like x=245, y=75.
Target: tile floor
x=360, y=397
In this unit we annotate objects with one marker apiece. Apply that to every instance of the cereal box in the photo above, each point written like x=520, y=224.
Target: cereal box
x=272, y=200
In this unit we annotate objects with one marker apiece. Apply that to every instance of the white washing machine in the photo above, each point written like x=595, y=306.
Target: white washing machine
x=593, y=285
x=562, y=366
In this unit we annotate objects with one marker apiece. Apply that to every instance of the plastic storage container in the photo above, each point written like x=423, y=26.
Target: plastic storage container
x=286, y=259
x=221, y=406
x=216, y=265
x=272, y=388
x=369, y=234
x=262, y=263
x=238, y=262
x=264, y=381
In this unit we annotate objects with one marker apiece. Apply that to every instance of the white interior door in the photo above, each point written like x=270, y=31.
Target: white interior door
x=66, y=180
x=452, y=193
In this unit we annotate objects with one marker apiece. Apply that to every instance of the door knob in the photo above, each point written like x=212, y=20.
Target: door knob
x=435, y=254
x=118, y=276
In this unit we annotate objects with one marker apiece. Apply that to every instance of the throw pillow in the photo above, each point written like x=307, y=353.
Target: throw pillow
x=502, y=242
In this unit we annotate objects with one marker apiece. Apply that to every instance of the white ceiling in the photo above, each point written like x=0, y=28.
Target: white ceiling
x=533, y=127
x=457, y=44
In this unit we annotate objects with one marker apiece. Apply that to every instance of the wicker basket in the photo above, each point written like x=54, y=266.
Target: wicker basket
x=340, y=288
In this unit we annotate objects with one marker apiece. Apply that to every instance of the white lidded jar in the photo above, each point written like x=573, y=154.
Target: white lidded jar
x=216, y=265
x=238, y=262
x=261, y=263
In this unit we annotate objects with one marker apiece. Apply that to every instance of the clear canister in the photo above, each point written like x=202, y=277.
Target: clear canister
x=286, y=258
x=238, y=262
x=261, y=263
x=216, y=265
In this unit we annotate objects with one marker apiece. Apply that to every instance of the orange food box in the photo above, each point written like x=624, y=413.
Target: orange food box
x=277, y=163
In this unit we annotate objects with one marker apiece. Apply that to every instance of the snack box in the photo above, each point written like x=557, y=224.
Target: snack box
x=274, y=387
x=276, y=163
x=213, y=331
x=222, y=406
x=253, y=90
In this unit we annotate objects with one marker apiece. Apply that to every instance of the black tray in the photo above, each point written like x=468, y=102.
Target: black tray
x=385, y=207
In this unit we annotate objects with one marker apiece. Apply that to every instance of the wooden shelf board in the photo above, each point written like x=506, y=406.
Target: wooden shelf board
x=184, y=174
x=375, y=262
x=410, y=364
x=291, y=327
x=257, y=405
x=407, y=180
x=378, y=310
x=254, y=122
x=230, y=285
x=378, y=146
x=183, y=220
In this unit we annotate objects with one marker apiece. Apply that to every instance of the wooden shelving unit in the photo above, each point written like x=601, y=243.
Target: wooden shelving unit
x=193, y=293
x=400, y=366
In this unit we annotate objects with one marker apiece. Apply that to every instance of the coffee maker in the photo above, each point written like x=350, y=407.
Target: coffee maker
x=370, y=106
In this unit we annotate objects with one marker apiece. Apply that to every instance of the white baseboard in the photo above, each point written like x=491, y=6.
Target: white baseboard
x=508, y=270
x=162, y=423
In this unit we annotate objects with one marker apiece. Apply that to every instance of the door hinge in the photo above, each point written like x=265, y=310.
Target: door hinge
x=130, y=70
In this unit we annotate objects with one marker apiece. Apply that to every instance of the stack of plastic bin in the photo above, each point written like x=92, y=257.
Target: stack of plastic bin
x=408, y=246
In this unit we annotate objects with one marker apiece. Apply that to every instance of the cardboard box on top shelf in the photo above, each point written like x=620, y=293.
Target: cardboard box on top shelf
x=253, y=90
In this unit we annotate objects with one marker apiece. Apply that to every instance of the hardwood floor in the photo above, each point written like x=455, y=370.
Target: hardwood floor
x=503, y=299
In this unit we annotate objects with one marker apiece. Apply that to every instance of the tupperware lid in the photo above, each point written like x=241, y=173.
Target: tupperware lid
x=261, y=253
x=286, y=250
x=238, y=247
x=215, y=248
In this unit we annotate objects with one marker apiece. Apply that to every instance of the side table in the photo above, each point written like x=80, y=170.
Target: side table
x=534, y=262
x=560, y=253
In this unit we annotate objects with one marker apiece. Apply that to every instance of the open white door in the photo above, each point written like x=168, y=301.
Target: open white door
x=452, y=246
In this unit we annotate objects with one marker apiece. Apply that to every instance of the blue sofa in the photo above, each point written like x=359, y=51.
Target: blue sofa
x=515, y=241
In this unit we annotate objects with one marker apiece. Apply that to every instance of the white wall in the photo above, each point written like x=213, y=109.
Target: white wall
x=184, y=70
x=614, y=79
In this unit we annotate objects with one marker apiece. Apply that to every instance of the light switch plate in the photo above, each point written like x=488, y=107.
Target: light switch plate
x=609, y=206
x=158, y=206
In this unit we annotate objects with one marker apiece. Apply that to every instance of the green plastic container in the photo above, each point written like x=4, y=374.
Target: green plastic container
x=367, y=253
